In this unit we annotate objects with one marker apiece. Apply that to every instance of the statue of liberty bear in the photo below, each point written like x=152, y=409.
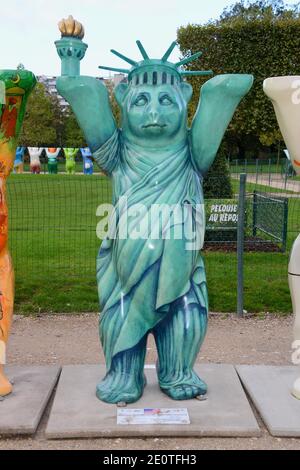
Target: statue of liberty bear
x=151, y=284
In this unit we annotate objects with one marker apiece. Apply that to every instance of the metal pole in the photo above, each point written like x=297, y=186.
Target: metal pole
x=256, y=179
x=240, y=244
x=285, y=224
x=254, y=229
x=285, y=176
x=278, y=157
x=269, y=171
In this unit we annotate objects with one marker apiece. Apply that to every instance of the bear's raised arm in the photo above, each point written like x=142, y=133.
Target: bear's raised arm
x=219, y=98
x=89, y=99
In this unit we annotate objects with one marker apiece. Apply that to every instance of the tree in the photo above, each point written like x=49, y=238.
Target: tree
x=39, y=122
x=58, y=120
x=72, y=135
x=47, y=125
x=246, y=11
x=217, y=180
x=114, y=105
x=262, y=38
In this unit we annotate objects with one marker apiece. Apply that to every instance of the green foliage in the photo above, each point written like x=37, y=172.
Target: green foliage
x=39, y=122
x=217, y=182
x=260, y=39
x=58, y=120
x=72, y=135
x=54, y=246
x=46, y=125
x=114, y=105
x=271, y=10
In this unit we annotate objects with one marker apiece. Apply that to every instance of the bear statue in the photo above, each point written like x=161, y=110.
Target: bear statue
x=153, y=283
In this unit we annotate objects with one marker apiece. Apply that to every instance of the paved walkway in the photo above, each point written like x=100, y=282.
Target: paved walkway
x=275, y=181
x=73, y=339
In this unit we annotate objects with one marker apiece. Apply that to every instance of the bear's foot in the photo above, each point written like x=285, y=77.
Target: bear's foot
x=116, y=387
x=187, y=387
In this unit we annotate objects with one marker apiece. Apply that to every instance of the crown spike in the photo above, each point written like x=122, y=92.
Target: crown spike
x=160, y=70
x=123, y=57
x=113, y=69
x=188, y=59
x=196, y=72
x=142, y=50
x=169, y=52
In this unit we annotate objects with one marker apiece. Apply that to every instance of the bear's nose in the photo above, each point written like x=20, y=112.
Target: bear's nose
x=153, y=114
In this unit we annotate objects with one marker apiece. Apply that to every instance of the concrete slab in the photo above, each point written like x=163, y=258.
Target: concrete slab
x=269, y=387
x=77, y=413
x=21, y=411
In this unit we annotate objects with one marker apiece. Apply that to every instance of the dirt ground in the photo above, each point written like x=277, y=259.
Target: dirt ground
x=73, y=339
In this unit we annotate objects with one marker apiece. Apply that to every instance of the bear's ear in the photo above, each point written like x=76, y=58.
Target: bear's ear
x=187, y=91
x=119, y=92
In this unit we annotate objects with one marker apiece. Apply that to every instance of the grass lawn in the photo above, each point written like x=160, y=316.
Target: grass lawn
x=263, y=167
x=53, y=240
x=250, y=187
x=54, y=245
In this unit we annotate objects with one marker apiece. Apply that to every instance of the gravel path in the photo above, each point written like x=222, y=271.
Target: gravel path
x=275, y=181
x=58, y=339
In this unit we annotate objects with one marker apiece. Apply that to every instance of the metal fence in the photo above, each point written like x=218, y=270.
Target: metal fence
x=53, y=236
x=270, y=217
x=53, y=222
x=262, y=166
x=266, y=169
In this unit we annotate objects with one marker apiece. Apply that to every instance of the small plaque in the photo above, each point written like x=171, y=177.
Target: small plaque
x=153, y=416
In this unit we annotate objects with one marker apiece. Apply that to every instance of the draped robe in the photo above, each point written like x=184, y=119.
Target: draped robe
x=139, y=280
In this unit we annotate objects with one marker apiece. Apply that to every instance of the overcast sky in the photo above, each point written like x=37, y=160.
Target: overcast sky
x=29, y=29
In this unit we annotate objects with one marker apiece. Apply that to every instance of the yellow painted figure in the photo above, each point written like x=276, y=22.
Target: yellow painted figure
x=15, y=87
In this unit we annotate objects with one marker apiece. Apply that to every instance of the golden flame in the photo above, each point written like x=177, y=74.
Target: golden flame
x=71, y=28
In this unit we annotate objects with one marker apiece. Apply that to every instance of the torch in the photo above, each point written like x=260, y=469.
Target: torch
x=70, y=48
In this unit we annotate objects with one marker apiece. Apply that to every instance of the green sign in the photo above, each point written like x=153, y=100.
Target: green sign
x=221, y=214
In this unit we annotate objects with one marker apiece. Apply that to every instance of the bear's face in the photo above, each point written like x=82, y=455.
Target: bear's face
x=154, y=116
x=154, y=112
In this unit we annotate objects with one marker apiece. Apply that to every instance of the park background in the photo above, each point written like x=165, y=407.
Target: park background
x=53, y=217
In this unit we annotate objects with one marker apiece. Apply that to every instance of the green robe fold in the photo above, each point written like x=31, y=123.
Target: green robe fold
x=139, y=279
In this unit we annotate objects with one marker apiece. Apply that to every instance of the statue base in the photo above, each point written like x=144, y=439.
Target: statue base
x=270, y=389
x=77, y=412
x=22, y=410
x=296, y=389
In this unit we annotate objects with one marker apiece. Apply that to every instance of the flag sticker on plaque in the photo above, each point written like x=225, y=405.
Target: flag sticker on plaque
x=153, y=416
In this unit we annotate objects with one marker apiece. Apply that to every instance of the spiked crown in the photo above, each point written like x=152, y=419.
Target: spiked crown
x=156, y=71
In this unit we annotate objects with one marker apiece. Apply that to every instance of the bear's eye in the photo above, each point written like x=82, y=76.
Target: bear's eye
x=141, y=100
x=165, y=100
